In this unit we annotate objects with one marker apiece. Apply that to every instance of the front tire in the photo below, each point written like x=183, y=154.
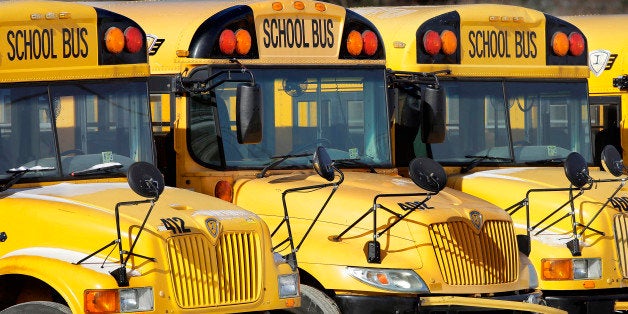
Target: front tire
x=37, y=307
x=315, y=301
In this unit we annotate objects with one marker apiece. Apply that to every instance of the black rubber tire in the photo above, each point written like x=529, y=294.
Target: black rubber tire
x=37, y=307
x=315, y=301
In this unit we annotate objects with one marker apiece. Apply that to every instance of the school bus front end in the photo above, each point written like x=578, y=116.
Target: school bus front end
x=515, y=86
x=364, y=240
x=87, y=223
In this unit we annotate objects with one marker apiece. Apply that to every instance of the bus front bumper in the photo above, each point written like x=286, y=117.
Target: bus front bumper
x=350, y=304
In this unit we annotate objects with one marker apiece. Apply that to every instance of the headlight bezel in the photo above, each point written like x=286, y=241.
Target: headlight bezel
x=390, y=279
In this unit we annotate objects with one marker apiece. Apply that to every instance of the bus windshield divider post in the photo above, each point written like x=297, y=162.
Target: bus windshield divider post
x=373, y=252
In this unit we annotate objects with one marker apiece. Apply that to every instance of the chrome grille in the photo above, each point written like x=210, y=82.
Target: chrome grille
x=620, y=226
x=469, y=258
x=204, y=275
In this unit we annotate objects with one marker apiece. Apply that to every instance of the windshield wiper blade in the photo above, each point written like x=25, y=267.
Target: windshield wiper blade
x=279, y=161
x=477, y=159
x=352, y=162
x=99, y=168
x=18, y=173
x=549, y=161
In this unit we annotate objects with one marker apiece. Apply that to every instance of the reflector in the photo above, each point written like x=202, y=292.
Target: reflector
x=369, y=40
x=560, y=44
x=428, y=174
x=227, y=42
x=134, y=41
x=432, y=42
x=354, y=43
x=114, y=40
x=243, y=41
x=576, y=169
x=576, y=44
x=449, y=42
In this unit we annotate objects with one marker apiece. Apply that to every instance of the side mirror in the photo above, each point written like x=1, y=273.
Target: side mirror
x=611, y=161
x=433, y=107
x=322, y=164
x=576, y=170
x=145, y=179
x=428, y=174
x=249, y=113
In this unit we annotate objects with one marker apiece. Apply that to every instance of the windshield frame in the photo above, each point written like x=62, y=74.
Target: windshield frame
x=83, y=104
x=508, y=147
x=369, y=98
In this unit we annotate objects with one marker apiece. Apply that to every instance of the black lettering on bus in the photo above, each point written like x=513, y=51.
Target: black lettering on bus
x=13, y=52
x=525, y=47
x=330, y=33
x=290, y=33
x=620, y=203
x=265, y=29
x=75, y=42
x=473, y=50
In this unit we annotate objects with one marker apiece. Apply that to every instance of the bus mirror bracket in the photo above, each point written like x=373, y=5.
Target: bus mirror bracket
x=248, y=97
x=145, y=180
x=426, y=174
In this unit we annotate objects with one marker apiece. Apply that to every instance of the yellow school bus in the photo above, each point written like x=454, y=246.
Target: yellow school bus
x=515, y=84
x=88, y=225
x=366, y=240
x=608, y=81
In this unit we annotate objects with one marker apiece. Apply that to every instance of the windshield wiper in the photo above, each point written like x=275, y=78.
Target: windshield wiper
x=477, y=159
x=549, y=161
x=354, y=162
x=279, y=161
x=99, y=168
x=18, y=173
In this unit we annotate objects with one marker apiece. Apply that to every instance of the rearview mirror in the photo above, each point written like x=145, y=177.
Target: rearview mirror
x=249, y=113
x=433, y=107
x=145, y=179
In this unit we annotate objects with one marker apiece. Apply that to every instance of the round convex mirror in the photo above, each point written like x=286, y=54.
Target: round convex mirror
x=322, y=164
x=145, y=179
x=611, y=161
x=576, y=169
x=428, y=174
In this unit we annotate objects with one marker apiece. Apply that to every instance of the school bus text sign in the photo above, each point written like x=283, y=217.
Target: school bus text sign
x=298, y=35
x=47, y=46
x=508, y=46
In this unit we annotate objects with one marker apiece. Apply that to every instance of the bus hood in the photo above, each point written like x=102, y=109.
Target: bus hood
x=507, y=187
x=406, y=244
x=80, y=217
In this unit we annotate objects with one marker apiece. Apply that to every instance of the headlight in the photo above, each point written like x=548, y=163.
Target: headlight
x=571, y=268
x=288, y=286
x=119, y=300
x=400, y=280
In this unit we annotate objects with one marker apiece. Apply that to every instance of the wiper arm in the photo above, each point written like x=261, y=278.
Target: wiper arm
x=99, y=168
x=347, y=162
x=549, y=161
x=279, y=161
x=477, y=159
x=18, y=173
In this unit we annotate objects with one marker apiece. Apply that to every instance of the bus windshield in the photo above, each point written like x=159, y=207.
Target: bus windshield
x=74, y=126
x=342, y=109
x=515, y=122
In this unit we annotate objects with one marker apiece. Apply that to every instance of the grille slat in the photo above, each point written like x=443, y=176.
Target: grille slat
x=468, y=258
x=204, y=275
x=620, y=225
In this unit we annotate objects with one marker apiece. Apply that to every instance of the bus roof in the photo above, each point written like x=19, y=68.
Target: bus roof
x=494, y=39
x=607, y=48
x=174, y=24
